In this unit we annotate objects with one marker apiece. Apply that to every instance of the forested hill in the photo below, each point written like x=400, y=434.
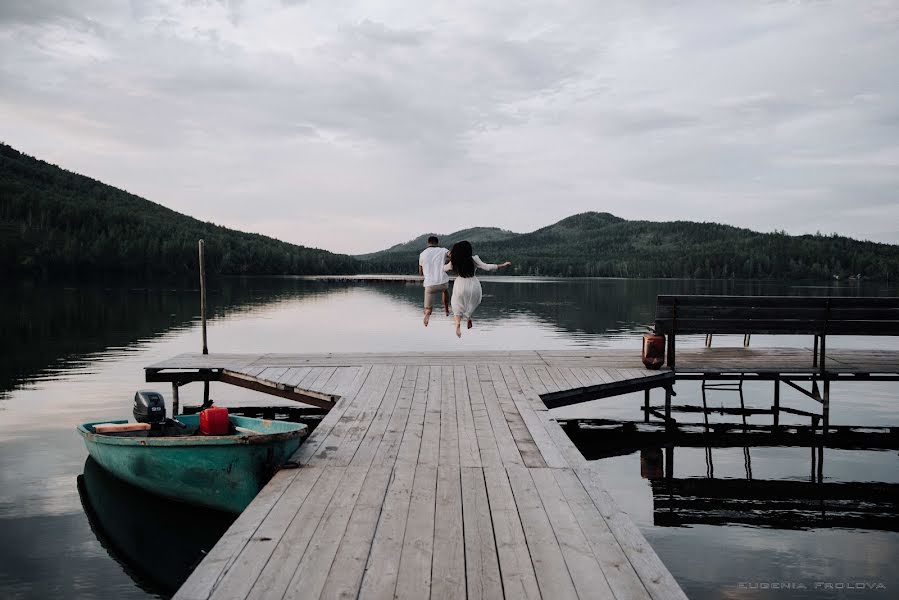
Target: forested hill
x=55, y=221
x=602, y=245
x=475, y=235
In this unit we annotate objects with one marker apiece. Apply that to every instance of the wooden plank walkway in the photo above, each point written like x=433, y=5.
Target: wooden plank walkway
x=433, y=476
x=443, y=475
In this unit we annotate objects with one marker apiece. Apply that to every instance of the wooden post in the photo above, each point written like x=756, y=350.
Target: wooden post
x=669, y=462
x=175, y=401
x=203, y=298
x=667, y=406
x=646, y=406
x=776, y=401
x=825, y=412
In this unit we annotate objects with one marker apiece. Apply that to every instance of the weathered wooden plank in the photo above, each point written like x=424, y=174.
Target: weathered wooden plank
x=561, y=441
x=382, y=567
x=414, y=578
x=430, y=433
x=311, y=573
x=240, y=577
x=275, y=577
x=533, y=399
x=294, y=375
x=571, y=381
x=549, y=564
x=448, y=564
x=482, y=568
x=345, y=576
x=449, y=425
x=649, y=567
x=516, y=567
x=508, y=450
x=306, y=382
x=341, y=380
x=393, y=436
x=200, y=585
x=374, y=435
x=619, y=573
x=312, y=443
x=584, y=569
x=548, y=450
x=272, y=374
x=410, y=446
x=347, y=434
x=469, y=455
x=487, y=447
x=530, y=453
x=321, y=381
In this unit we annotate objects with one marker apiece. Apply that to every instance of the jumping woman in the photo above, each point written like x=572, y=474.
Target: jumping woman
x=466, y=287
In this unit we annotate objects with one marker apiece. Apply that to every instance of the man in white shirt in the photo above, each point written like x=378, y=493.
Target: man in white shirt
x=430, y=266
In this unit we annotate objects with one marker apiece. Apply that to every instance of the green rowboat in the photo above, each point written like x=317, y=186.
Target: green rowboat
x=224, y=472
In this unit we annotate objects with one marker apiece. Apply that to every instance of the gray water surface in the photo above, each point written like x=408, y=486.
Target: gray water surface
x=76, y=353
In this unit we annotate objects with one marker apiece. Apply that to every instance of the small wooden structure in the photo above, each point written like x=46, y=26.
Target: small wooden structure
x=819, y=317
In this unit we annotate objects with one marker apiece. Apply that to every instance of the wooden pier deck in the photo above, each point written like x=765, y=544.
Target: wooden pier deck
x=433, y=476
x=443, y=475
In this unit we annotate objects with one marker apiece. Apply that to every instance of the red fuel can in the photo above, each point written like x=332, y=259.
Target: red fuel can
x=653, y=350
x=214, y=421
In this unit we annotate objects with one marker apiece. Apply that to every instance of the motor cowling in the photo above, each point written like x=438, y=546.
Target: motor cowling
x=149, y=407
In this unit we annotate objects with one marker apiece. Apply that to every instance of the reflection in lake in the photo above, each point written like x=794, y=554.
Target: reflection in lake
x=75, y=353
x=158, y=542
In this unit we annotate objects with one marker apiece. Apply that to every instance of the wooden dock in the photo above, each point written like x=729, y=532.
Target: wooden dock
x=432, y=476
x=443, y=475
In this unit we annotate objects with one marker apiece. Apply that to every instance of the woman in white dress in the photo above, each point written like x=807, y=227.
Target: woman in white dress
x=466, y=287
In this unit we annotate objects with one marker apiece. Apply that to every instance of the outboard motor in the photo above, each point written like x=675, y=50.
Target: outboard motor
x=149, y=407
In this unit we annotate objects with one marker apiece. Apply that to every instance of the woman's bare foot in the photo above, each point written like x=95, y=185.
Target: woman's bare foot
x=427, y=317
x=458, y=330
x=470, y=324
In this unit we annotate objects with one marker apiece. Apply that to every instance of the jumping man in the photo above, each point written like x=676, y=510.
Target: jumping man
x=430, y=266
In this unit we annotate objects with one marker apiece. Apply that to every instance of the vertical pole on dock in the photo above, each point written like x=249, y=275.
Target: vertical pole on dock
x=203, y=297
x=667, y=406
x=203, y=315
x=776, y=401
x=175, y=400
x=825, y=412
x=646, y=406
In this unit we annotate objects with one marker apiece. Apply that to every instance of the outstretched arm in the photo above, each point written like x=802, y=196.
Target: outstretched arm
x=489, y=266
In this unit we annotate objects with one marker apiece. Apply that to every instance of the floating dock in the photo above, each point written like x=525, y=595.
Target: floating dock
x=443, y=475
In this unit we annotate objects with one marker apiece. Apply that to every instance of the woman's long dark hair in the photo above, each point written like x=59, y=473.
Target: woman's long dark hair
x=460, y=256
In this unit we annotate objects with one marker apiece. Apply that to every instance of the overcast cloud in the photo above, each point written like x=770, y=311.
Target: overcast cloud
x=355, y=125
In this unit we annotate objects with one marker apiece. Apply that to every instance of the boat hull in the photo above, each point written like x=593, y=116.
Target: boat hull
x=221, y=472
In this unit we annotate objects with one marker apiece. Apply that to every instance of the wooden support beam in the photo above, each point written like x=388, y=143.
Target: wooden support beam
x=325, y=401
x=180, y=377
x=814, y=395
x=606, y=390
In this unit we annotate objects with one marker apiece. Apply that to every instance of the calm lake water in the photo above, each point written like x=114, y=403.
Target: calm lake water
x=74, y=354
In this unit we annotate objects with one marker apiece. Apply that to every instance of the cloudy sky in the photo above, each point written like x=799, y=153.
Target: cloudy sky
x=355, y=125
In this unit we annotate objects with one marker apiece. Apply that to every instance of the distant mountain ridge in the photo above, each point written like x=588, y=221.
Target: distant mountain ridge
x=56, y=221
x=473, y=234
x=595, y=244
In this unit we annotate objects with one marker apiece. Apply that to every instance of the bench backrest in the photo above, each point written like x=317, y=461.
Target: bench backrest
x=777, y=314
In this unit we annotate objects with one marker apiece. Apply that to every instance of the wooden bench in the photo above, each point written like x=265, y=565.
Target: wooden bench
x=797, y=315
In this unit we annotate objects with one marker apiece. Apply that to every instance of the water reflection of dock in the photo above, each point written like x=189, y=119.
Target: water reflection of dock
x=780, y=504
